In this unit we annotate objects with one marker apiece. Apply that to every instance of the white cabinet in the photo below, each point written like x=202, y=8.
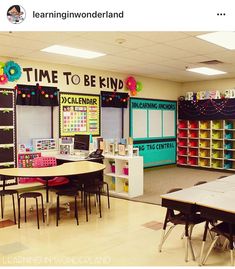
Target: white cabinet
x=124, y=175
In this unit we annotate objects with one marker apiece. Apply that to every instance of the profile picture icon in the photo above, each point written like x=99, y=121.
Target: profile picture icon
x=16, y=14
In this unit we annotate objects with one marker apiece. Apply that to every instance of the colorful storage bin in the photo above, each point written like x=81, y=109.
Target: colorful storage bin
x=216, y=135
x=193, y=134
x=204, y=134
x=203, y=153
x=228, y=145
x=228, y=136
x=182, y=151
x=193, y=143
x=203, y=162
x=182, y=124
x=228, y=155
x=125, y=171
x=113, y=168
x=228, y=125
x=192, y=161
x=215, y=154
x=182, y=160
x=182, y=143
x=193, y=152
x=228, y=165
x=182, y=133
x=204, y=144
x=216, y=145
x=216, y=125
x=204, y=125
x=216, y=164
x=193, y=125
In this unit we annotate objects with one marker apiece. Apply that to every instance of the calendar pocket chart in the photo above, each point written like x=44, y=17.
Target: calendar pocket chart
x=79, y=114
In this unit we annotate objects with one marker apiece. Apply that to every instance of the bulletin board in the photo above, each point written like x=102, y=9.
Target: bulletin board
x=153, y=129
x=79, y=114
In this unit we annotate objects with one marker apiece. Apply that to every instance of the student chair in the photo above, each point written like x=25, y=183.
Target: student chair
x=48, y=162
x=92, y=189
x=4, y=192
x=68, y=192
x=225, y=229
x=180, y=218
x=29, y=195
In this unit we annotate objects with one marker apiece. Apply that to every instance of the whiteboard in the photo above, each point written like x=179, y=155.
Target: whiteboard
x=140, y=123
x=155, y=123
x=32, y=122
x=168, y=123
x=111, y=122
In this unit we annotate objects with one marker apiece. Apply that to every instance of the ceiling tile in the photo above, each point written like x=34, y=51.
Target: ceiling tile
x=195, y=45
x=130, y=41
x=160, y=37
x=167, y=51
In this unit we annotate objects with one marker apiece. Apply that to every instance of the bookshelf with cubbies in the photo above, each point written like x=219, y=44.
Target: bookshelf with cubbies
x=124, y=175
x=207, y=143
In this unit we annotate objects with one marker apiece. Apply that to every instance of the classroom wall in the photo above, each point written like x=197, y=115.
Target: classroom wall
x=152, y=88
x=216, y=84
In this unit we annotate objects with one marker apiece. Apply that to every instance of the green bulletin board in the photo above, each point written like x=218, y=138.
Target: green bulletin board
x=79, y=114
x=153, y=128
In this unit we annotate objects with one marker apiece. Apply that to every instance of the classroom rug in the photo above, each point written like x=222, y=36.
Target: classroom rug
x=158, y=181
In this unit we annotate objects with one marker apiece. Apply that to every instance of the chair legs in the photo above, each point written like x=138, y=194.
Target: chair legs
x=164, y=236
x=14, y=210
x=2, y=206
x=107, y=192
x=25, y=207
x=209, y=250
x=13, y=204
x=58, y=209
x=87, y=196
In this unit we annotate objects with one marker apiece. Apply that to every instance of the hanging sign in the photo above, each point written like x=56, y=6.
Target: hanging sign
x=79, y=114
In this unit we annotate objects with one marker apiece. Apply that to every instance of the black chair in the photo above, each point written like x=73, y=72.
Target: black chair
x=25, y=196
x=226, y=230
x=103, y=186
x=180, y=218
x=92, y=189
x=200, y=182
x=222, y=177
x=67, y=192
x=4, y=192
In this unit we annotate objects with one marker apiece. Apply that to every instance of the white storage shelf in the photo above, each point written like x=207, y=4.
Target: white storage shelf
x=123, y=184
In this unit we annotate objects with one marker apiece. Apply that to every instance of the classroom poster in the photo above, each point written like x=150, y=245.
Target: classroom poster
x=79, y=114
x=153, y=128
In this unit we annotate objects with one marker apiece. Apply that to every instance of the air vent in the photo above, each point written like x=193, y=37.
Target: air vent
x=212, y=62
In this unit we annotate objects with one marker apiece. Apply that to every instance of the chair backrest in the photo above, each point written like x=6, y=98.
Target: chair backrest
x=200, y=182
x=171, y=212
x=222, y=177
x=44, y=162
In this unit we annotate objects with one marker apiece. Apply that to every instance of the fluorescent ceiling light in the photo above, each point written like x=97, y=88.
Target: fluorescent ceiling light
x=206, y=71
x=87, y=54
x=223, y=39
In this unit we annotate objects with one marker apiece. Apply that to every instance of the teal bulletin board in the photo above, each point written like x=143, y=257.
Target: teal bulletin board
x=153, y=129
